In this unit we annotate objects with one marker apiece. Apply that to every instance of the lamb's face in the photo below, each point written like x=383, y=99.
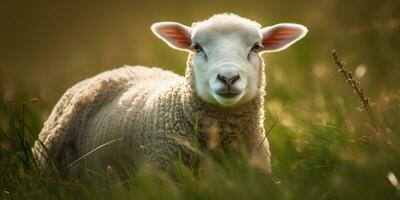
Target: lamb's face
x=226, y=62
x=227, y=53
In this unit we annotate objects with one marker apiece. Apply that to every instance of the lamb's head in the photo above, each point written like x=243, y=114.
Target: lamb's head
x=227, y=52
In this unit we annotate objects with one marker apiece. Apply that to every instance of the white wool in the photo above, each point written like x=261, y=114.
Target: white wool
x=227, y=20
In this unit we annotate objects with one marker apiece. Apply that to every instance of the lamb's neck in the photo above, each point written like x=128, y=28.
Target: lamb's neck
x=222, y=128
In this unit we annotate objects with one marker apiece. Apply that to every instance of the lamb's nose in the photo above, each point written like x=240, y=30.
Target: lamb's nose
x=228, y=81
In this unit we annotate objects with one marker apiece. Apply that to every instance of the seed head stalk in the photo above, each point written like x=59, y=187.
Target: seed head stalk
x=356, y=86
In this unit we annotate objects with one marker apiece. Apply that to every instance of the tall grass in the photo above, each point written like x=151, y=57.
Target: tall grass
x=329, y=151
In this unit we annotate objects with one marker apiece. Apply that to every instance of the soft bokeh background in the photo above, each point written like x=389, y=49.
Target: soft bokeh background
x=47, y=46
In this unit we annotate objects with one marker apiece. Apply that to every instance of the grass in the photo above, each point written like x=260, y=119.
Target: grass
x=323, y=148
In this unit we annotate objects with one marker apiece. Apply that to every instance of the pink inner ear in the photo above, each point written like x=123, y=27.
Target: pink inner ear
x=177, y=36
x=279, y=37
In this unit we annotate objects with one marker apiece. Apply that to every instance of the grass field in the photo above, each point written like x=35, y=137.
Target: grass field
x=323, y=146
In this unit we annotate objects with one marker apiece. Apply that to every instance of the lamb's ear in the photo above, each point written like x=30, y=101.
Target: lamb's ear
x=176, y=35
x=281, y=36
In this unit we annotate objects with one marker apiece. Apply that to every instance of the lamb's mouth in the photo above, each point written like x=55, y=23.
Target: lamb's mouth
x=228, y=98
x=228, y=93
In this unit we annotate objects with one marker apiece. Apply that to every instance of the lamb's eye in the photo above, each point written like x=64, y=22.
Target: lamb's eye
x=197, y=48
x=256, y=47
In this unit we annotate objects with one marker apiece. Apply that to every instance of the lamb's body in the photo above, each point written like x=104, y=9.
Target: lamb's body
x=154, y=111
x=159, y=114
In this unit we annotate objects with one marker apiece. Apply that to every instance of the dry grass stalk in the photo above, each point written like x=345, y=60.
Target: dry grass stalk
x=267, y=133
x=356, y=86
x=94, y=150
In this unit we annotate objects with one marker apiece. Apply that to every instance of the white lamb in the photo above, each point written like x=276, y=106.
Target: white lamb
x=158, y=113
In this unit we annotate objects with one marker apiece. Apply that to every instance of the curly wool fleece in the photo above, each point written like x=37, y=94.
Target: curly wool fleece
x=153, y=111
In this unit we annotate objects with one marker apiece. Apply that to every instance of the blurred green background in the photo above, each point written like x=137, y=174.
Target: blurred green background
x=46, y=46
x=322, y=146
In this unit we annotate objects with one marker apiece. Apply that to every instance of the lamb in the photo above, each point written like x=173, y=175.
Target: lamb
x=155, y=113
